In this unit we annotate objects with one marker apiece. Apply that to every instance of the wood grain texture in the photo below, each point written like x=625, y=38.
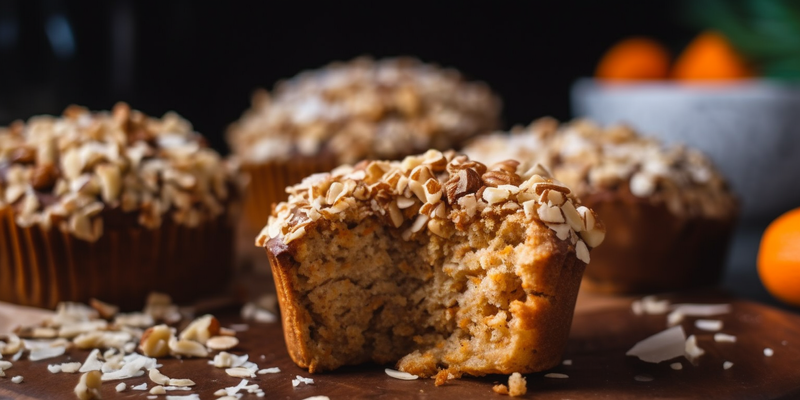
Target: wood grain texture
x=603, y=329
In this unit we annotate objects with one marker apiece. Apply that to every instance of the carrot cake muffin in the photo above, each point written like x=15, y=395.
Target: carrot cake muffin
x=111, y=205
x=349, y=111
x=435, y=262
x=633, y=183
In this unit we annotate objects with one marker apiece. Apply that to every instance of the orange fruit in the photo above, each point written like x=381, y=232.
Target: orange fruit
x=710, y=56
x=779, y=258
x=636, y=58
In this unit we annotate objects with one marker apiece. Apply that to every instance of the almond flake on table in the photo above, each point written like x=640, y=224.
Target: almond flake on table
x=650, y=305
x=317, y=398
x=643, y=378
x=676, y=366
x=693, y=351
x=273, y=370
x=121, y=387
x=768, y=352
x=727, y=365
x=566, y=362
x=724, y=338
x=405, y=376
x=711, y=325
x=299, y=379
x=143, y=386
x=679, y=311
x=662, y=346
x=556, y=375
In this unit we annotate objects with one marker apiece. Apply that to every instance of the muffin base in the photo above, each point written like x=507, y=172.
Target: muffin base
x=42, y=267
x=647, y=248
x=532, y=278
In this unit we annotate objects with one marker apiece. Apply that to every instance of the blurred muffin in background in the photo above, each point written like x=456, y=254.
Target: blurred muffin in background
x=668, y=212
x=349, y=111
x=112, y=206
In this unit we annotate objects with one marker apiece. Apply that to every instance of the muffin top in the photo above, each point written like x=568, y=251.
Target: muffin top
x=594, y=161
x=69, y=171
x=435, y=194
x=361, y=109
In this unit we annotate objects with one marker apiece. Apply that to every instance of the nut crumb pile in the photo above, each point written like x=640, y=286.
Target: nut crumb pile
x=128, y=345
x=468, y=265
x=68, y=171
x=364, y=109
x=590, y=160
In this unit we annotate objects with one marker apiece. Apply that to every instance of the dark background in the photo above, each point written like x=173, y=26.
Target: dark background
x=204, y=58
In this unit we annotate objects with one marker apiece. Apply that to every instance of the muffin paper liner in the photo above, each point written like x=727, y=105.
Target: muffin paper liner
x=41, y=267
x=268, y=182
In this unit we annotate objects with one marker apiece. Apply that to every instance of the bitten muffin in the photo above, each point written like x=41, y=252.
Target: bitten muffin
x=346, y=112
x=113, y=206
x=634, y=184
x=436, y=261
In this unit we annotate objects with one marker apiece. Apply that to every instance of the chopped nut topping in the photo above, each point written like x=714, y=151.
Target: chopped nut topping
x=433, y=204
x=365, y=109
x=590, y=159
x=75, y=169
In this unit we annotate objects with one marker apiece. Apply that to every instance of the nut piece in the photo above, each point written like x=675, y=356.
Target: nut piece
x=88, y=387
x=157, y=377
x=201, y=329
x=187, y=348
x=181, y=382
x=497, y=178
x=465, y=182
x=240, y=372
x=155, y=341
x=106, y=311
x=222, y=342
x=11, y=345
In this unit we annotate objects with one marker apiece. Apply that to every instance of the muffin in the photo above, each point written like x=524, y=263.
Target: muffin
x=435, y=262
x=346, y=112
x=112, y=206
x=633, y=183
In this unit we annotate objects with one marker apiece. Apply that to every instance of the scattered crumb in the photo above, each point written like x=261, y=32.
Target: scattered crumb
x=54, y=369
x=17, y=379
x=676, y=366
x=724, y=338
x=445, y=375
x=567, y=362
x=121, y=387
x=768, y=352
x=299, y=379
x=556, y=375
x=727, y=365
x=158, y=389
x=500, y=389
x=693, y=351
x=711, y=325
x=643, y=378
x=70, y=368
x=517, y=385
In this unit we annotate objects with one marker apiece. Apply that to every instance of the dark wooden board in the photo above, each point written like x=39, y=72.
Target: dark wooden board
x=604, y=328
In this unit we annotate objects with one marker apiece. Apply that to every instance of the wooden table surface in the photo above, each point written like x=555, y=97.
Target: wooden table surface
x=604, y=328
